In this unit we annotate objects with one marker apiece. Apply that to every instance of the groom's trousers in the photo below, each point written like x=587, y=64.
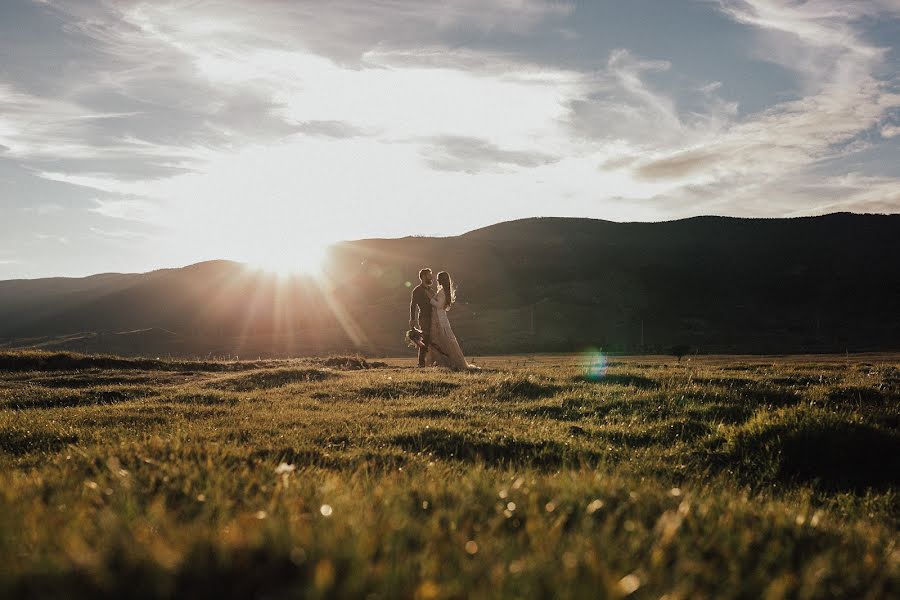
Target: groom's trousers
x=426, y=340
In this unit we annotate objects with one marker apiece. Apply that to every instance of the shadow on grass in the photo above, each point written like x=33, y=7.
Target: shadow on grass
x=400, y=389
x=269, y=379
x=71, y=361
x=206, y=572
x=520, y=388
x=89, y=380
x=772, y=396
x=571, y=409
x=335, y=459
x=731, y=414
x=682, y=430
x=564, y=412
x=250, y=572
x=498, y=451
x=805, y=380
x=19, y=443
x=814, y=446
x=433, y=413
x=626, y=379
x=861, y=395
x=203, y=399
x=348, y=363
x=726, y=382
x=84, y=398
x=127, y=420
x=297, y=456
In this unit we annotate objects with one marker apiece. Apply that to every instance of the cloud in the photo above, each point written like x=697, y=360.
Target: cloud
x=762, y=156
x=471, y=155
x=42, y=133
x=128, y=210
x=333, y=129
x=344, y=30
x=677, y=166
x=853, y=191
x=45, y=208
x=121, y=234
x=246, y=121
x=618, y=162
x=617, y=103
x=155, y=90
x=59, y=239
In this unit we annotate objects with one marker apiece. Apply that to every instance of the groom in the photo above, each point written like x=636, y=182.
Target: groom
x=421, y=304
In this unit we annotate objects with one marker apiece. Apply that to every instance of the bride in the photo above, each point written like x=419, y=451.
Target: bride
x=444, y=350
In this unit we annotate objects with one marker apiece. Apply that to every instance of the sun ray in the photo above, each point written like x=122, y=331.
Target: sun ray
x=344, y=318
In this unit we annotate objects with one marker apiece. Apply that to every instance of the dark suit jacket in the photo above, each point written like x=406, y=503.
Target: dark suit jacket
x=422, y=303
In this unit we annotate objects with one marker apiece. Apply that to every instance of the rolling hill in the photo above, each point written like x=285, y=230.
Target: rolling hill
x=817, y=284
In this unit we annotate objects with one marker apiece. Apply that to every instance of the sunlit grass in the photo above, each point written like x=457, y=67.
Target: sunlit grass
x=715, y=478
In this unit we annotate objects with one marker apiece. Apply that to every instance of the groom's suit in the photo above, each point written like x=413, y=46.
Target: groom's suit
x=421, y=304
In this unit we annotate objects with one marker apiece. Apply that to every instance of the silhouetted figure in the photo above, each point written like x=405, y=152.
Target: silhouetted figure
x=420, y=311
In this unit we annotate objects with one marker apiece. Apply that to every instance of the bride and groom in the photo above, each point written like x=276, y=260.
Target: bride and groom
x=429, y=326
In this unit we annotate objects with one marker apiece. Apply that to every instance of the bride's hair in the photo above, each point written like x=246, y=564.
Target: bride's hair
x=443, y=278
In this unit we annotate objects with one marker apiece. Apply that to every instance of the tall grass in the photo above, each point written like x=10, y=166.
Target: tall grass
x=295, y=478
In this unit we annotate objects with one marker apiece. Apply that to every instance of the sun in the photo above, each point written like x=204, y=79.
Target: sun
x=308, y=260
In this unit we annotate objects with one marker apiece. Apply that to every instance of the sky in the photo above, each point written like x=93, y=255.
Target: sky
x=139, y=135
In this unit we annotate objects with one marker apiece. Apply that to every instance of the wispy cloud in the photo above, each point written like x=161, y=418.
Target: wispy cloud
x=128, y=210
x=333, y=129
x=471, y=155
x=120, y=234
x=245, y=120
x=59, y=239
x=844, y=98
x=44, y=209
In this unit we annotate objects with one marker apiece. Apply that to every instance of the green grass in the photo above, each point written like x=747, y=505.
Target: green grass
x=713, y=477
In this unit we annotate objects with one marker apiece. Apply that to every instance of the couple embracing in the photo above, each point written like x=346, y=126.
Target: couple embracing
x=433, y=337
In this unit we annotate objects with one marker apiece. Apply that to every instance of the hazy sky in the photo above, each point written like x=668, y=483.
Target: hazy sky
x=135, y=135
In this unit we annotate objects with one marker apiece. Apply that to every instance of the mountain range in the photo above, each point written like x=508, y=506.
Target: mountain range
x=716, y=284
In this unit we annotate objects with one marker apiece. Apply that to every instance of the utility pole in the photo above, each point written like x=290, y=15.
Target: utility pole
x=532, y=319
x=533, y=305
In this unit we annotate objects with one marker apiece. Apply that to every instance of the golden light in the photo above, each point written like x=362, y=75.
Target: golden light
x=306, y=259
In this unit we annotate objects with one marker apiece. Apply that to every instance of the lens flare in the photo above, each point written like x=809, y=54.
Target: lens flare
x=594, y=362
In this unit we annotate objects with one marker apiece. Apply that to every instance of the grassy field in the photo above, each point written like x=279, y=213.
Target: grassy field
x=537, y=477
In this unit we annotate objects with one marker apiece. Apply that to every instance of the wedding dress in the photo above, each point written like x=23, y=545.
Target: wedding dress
x=444, y=350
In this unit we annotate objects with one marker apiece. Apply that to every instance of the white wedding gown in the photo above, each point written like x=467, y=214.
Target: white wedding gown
x=444, y=350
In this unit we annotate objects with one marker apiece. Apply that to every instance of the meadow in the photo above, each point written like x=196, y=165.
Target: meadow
x=551, y=476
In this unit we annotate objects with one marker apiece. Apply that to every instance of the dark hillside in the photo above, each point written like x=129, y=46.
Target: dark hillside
x=718, y=284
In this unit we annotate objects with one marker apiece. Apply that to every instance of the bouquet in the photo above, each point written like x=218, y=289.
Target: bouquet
x=415, y=338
